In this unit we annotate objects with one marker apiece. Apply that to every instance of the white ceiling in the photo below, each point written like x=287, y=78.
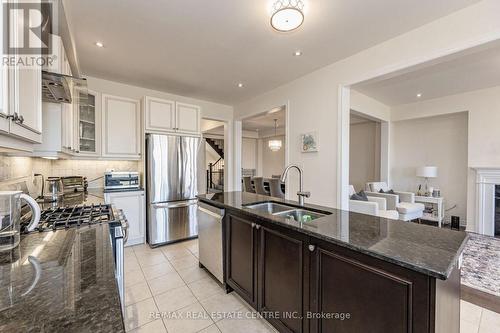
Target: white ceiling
x=265, y=122
x=204, y=48
x=475, y=70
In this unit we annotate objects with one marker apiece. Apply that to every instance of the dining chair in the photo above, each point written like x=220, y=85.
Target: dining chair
x=247, y=184
x=259, y=185
x=275, y=188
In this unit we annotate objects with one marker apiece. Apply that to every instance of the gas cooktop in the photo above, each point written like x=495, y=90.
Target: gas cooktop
x=75, y=216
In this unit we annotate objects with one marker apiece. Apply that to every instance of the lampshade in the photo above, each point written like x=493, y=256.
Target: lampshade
x=427, y=172
x=275, y=145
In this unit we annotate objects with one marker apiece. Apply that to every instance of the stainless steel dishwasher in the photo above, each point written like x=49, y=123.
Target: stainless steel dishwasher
x=210, y=238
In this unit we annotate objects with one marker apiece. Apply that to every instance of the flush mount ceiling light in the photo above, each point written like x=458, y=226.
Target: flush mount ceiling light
x=287, y=15
x=99, y=44
x=297, y=53
x=275, y=145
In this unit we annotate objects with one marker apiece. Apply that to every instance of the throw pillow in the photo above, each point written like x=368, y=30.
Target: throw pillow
x=361, y=196
x=391, y=191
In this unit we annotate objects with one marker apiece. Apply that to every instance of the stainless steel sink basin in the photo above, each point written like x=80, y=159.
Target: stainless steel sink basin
x=270, y=207
x=300, y=215
x=288, y=212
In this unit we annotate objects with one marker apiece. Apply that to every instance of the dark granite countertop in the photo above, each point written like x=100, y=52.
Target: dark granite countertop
x=76, y=289
x=425, y=249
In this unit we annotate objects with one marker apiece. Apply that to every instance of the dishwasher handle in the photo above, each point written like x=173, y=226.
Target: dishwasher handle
x=211, y=210
x=206, y=211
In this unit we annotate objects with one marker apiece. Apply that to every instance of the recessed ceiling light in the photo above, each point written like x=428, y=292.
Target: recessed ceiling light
x=419, y=95
x=240, y=85
x=287, y=15
x=99, y=44
x=297, y=53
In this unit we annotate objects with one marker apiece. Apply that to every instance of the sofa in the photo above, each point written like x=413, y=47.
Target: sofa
x=374, y=206
x=403, y=202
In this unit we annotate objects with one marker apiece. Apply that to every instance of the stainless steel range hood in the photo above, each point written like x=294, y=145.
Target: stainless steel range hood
x=59, y=88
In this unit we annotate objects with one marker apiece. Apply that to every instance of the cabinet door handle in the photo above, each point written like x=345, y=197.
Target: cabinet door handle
x=21, y=119
x=312, y=248
x=257, y=226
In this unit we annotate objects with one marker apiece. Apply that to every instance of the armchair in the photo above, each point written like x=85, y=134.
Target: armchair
x=403, y=202
x=374, y=206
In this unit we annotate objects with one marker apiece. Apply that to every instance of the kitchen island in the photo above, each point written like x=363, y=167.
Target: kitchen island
x=61, y=281
x=340, y=272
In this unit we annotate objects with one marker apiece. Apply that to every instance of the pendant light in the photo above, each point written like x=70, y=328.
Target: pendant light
x=275, y=145
x=287, y=15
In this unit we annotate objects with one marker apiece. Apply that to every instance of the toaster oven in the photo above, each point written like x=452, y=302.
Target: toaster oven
x=121, y=180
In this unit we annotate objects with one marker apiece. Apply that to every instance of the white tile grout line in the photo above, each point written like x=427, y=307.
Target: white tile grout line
x=151, y=291
x=152, y=296
x=480, y=320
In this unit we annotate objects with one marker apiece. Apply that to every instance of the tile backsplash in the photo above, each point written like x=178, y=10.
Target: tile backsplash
x=17, y=167
x=92, y=169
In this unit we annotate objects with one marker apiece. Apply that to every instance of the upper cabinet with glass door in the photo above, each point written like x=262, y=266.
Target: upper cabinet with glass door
x=89, y=129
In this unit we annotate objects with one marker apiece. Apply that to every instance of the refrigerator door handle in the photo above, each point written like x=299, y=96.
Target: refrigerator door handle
x=174, y=204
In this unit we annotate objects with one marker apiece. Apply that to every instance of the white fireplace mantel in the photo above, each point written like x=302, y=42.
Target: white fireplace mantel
x=486, y=179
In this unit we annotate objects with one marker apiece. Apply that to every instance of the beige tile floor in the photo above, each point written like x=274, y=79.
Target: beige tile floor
x=166, y=291
x=475, y=319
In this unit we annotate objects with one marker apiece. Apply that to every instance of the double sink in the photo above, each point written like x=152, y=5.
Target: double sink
x=289, y=212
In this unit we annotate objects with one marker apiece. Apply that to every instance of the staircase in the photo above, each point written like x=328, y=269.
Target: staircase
x=215, y=171
x=217, y=145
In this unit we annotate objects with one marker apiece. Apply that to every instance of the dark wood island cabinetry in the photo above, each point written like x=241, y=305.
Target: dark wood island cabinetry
x=302, y=280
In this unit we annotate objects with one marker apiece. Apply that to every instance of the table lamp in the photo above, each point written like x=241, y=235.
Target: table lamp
x=427, y=172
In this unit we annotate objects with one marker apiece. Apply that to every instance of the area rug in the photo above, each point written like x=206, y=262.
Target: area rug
x=481, y=264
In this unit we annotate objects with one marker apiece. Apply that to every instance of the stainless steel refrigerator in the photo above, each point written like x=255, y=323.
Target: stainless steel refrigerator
x=173, y=170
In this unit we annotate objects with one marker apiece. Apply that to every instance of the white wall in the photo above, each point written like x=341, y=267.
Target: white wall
x=273, y=162
x=313, y=101
x=483, y=136
x=249, y=153
x=437, y=141
x=484, y=118
x=364, y=154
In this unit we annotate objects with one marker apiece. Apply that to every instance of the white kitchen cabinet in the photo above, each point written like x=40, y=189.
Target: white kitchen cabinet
x=133, y=204
x=4, y=100
x=164, y=116
x=25, y=86
x=27, y=107
x=159, y=115
x=187, y=118
x=121, y=119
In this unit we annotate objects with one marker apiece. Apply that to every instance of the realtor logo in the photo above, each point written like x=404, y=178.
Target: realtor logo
x=26, y=28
